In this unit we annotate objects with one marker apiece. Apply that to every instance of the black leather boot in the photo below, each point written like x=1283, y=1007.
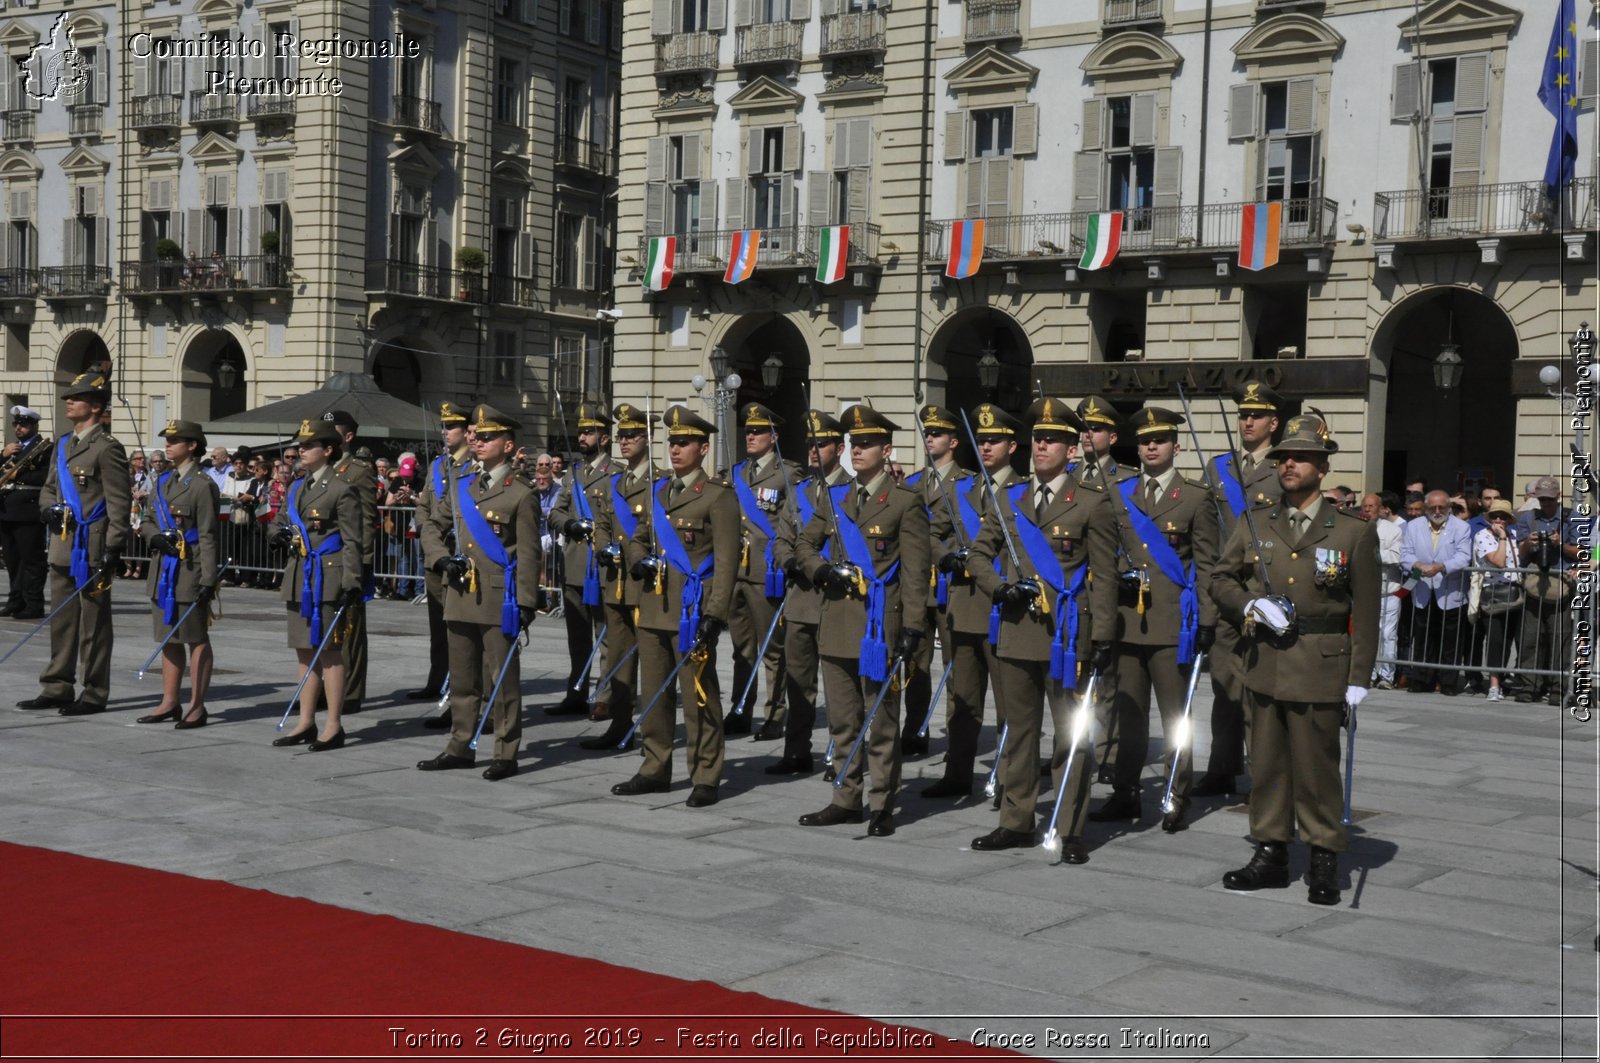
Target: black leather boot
x=1267, y=869
x=1324, y=877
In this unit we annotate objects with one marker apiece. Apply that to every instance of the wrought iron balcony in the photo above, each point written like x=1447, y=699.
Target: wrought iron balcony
x=579, y=153
x=19, y=284
x=161, y=110
x=1470, y=211
x=514, y=291
x=75, y=282
x=769, y=42
x=1132, y=12
x=853, y=33
x=413, y=112
x=686, y=53
x=85, y=119
x=408, y=279
x=706, y=250
x=215, y=275
x=267, y=107
x=18, y=126
x=993, y=20
x=208, y=109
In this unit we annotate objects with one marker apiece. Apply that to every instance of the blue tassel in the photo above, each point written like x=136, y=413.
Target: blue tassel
x=942, y=590
x=591, y=581
x=775, y=582
x=994, y=624
x=874, y=659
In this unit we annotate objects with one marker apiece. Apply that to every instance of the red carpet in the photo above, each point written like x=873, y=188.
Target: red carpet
x=104, y=960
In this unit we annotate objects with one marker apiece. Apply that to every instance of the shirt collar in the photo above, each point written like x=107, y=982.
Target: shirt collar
x=1313, y=511
x=1003, y=476
x=1165, y=480
x=763, y=463
x=694, y=476
x=1056, y=486
x=499, y=474
x=878, y=483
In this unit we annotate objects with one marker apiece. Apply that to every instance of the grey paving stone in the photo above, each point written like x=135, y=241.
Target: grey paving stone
x=633, y=848
x=685, y=897
x=474, y=859
x=1457, y=949
x=439, y=900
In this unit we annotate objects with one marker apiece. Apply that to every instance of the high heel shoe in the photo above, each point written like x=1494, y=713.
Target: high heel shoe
x=161, y=717
x=336, y=742
x=299, y=737
x=187, y=724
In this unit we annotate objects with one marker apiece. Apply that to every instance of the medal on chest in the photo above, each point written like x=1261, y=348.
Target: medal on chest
x=1333, y=567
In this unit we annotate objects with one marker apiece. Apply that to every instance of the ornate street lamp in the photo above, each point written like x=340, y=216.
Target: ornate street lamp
x=227, y=376
x=772, y=372
x=1447, y=367
x=989, y=372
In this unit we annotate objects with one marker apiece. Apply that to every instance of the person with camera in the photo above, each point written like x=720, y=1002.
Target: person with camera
x=1500, y=595
x=1542, y=544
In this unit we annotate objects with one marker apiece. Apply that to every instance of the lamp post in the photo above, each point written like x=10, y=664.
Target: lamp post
x=726, y=386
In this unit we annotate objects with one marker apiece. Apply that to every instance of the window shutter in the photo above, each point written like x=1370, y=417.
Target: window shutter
x=1093, y=136
x=7, y=251
x=997, y=188
x=819, y=188
x=1025, y=129
x=787, y=204
x=293, y=64
x=36, y=103
x=737, y=191
x=661, y=18
x=692, y=162
x=755, y=142
x=841, y=144
x=1242, y=112
x=1405, y=102
x=794, y=141
x=1589, y=68
x=655, y=207
x=955, y=135
x=102, y=81
x=525, y=256
x=564, y=17
x=255, y=63
x=830, y=7
x=1472, y=82
x=975, y=197
x=858, y=210
x=589, y=236
x=194, y=229
x=1086, y=167
x=72, y=240
x=717, y=15
x=430, y=240
x=597, y=26
x=88, y=200
x=1168, y=190
x=861, y=142
x=1302, y=93
x=7, y=82
x=741, y=12
x=1466, y=151
x=708, y=206
x=235, y=241
x=655, y=159
x=285, y=231
x=800, y=10
x=141, y=76
x=258, y=225
x=527, y=11
x=1143, y=131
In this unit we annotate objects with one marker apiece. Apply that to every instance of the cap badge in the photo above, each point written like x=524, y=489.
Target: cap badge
x=985, y=417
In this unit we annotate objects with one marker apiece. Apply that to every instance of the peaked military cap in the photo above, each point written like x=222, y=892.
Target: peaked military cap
x=320, y=432
x=629, y=418
x=488, y=419
x=1054, y=415
x=990, y=420
x=863, y=420
x=450, y=413
x=341, y=417
x=90, y=385
x=1306, y=433
x=1154, y=420
x=821, y=426
x=755, y=415
x=189, y=430
x=937, y=417
x=1095, y=411
x=1257, y=396
x=592, y=415
x=682, y=421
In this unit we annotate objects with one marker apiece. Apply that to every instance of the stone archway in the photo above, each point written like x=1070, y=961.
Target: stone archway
x=1445, y=438
x=395, y=369
x=79, y=352
x=215, y=381
x=749, y=344
x=956, y=348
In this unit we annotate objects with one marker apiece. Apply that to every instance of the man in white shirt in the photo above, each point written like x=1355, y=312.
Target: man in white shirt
x=1379, y=509
x=1438, y=550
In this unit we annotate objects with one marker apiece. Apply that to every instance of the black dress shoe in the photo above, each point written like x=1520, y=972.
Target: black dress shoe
x=1324, y=877
x=439, y=721
x=187, y=724
x=445, y=762
x=336, y=742
x=882, y=825
x=350, y=708
x=1119, y=806
x=912, y=745
x=640, y=785
x=571, y=705
x=1268, y=869
x=611, y=740
x=425, y=694
x=790, y=766
x=28, y=614
x=1212, y=785
x=737, y=725
x=44, y=702
x=701, y=796
x=952, y=785
x=770, y=731
x=297, y=738
x=500, y=769
x=1073, y=851
x=81, y=708
x=171, y=715
x=7, y=609
x=1173, y=821
x=1002, y=838
x=832, y=816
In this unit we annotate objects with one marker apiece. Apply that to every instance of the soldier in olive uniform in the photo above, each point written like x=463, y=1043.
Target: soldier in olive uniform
x=85, y=503
x=442, y=475
x=939, y=483
x=1249, y=478
x=803, y=614
x=618, y=501
x=181, y=533
x=573, y=518
x=1304, y=667
x=1169, y=534
x=1057, y=624
x=25, y=467
x=362, y=477
x=321, y=519
x=876, y=586
x=492, y=591
x=761, y=482
x=685, y=554
x=974, y=619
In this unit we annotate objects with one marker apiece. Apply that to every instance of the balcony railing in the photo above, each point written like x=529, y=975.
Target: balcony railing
x=17, y=126
x=159, y=111
x=583, y=154
x=413, y=112
x=19, y=283
x=993, y=20
x=706, y=250
x=769, y=42
x=65, y=282
x=271, y=107
x=514, y=291
x=205, y=108
x=685, y=53
x=216, y=274
x=1132, y=12
x=1306, y=223
x=85, y=119
x=1480, y=210
x=853, y=32
x=393, y=277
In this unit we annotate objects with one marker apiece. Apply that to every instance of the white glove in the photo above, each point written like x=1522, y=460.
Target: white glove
x=1354, y=696
x=1268, y=612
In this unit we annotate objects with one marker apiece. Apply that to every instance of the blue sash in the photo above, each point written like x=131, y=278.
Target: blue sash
x=752, y=512
x=1042, y=555
x=677, y=556
x=1230, y=485
x=1167, y=560
x=619, y=508
x=167, y=579
x=807, y=510
x=311, y=567
x=591, y=567
x=874, y=647
x=494, y=549
x=80, y=520
x=972, y=523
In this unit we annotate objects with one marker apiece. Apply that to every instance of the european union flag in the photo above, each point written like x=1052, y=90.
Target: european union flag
x=1558, y=91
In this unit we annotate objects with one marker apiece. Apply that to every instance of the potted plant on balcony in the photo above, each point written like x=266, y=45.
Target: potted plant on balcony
x=169, y=257
x=470, y=261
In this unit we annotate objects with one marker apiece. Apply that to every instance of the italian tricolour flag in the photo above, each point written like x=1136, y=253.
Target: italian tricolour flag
x=661, y=252
x=1101, y=242
x=833, y=248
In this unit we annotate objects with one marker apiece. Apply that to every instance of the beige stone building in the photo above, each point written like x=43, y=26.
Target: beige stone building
x=1403, y=141
x=440, y=218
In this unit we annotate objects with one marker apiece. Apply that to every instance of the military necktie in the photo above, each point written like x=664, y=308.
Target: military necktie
x=861, y=498
x=677, y=488
x=1041, y=500
x=483, y=483
x=1152, y=491
x=1297, y=525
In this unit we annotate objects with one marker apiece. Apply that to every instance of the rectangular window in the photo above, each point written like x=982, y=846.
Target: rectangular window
x=505, y=359
x=685, y=192
x=411, y=82
x=278, y=60
x=771, y=11
x=21, y=251
x=166, y=73
x=574, y=108
x=767, y=183
x=569, y=363
x=991, y=133
x=1457, y=97
x=694, y=16
x=1130, y=161
x=569, y=250
x=508, y=91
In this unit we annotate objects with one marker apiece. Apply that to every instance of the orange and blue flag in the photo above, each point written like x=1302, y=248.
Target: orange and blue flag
x=1558, y=91
x=742, y=256
x=1258, y=235
x=966, y=249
